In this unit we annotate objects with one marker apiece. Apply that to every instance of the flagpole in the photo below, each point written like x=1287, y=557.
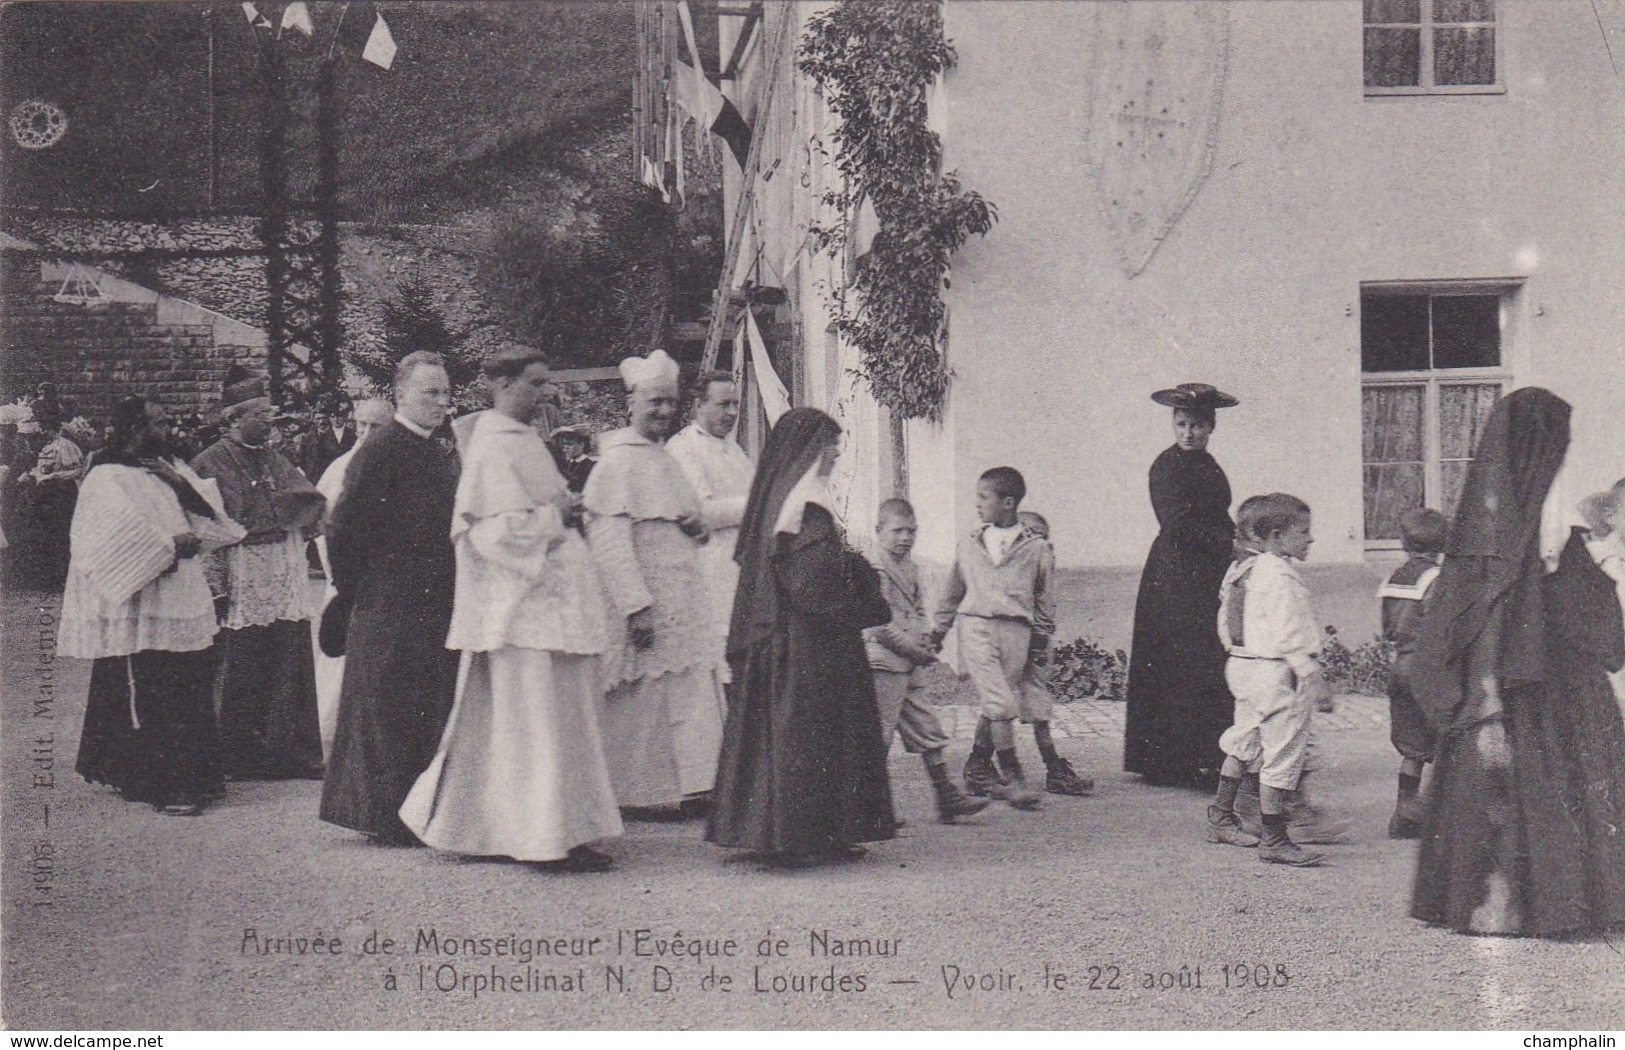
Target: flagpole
x=747, y=185
x=214, y=139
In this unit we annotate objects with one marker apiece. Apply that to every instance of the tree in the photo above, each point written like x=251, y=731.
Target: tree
x=414, y=321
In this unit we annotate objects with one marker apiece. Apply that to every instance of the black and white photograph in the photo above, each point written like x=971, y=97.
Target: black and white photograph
x=786, y=515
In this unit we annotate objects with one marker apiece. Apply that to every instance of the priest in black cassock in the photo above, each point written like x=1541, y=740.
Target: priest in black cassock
x=394, y=569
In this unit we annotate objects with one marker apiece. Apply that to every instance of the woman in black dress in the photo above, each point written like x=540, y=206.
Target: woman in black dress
x=802, y=776
x=1178, y=703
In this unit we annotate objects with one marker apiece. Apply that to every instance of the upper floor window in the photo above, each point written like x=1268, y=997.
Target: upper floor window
x=1430, y=47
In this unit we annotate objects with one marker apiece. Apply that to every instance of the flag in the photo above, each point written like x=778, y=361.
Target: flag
x=255, y=19
x=731, y=128
x=703, y=100
x=380, y=49
x=652, y=179
x=297, y=16
x=674, y=155
x=695, y=93
x=775, y=399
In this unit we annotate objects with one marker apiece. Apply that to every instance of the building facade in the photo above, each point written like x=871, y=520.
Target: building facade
x=1366, y=220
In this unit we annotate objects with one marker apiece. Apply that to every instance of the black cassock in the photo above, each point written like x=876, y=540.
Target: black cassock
x=803, y=765
x=1178, y=703
x=390, y=547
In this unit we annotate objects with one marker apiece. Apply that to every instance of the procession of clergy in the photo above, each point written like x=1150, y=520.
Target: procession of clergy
x=505, y=665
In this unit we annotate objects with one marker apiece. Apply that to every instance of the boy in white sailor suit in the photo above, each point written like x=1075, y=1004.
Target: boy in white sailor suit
x=1268, y=628
x=1404, y=598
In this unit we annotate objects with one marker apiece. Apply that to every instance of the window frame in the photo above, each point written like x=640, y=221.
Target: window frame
x=1425, y=70
x=1433, y=380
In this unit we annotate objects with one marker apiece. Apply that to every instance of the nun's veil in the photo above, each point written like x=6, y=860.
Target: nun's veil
x=792, y=447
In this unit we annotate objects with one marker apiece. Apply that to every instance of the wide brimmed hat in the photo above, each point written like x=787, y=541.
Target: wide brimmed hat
x=1195, y=396
x=573, y=429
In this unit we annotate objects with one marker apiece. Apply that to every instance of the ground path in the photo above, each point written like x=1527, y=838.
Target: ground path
x=149, y=916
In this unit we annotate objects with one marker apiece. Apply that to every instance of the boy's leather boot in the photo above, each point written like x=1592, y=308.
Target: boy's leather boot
x=1277, y=846
x=980, y=776
x=1223, y=828
x=951, y=802
x=1061, y=779
x=1406, y=823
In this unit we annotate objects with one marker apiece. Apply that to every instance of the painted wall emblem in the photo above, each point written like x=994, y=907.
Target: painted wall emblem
x=1155, y=90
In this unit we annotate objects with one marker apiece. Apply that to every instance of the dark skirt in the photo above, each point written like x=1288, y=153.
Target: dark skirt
x=399, y=684
x=54, y=501
x=149, y=727
x=268, y=723
x=1178, y=702
x=1537, y=847
x=803, y=767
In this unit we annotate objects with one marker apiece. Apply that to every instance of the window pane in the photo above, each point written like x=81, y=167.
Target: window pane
x=1393, y=57
x=1463, y=410
x=1393, y=11
x=1462, y=11
x=1390, y=491
x=1392, y=418
x=1463, y=56
x=1393, y=332
x=1466, y=331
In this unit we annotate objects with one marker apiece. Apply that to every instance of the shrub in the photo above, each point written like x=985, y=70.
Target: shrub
x=1363, y=669
x=1081, y=669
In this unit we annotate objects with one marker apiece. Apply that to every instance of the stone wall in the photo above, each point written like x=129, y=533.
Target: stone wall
x=96, y=354
x=374, y=263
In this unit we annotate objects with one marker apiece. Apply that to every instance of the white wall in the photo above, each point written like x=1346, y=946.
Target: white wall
x=1314, y=188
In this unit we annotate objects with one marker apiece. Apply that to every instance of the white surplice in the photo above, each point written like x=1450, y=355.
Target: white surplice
x=329, y=669
x=720, y=473
x=122, y=596
x=520, y=771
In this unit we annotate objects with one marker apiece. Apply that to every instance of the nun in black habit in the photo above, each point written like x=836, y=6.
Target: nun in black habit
x=802, y=776
x=1528, y=796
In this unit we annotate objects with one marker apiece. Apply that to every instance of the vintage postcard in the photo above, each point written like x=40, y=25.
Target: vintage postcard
x=857, y=514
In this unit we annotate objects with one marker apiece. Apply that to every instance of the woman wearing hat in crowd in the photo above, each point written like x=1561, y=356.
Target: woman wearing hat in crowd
x=268, y=722
x=1178, y=703
x=56, y=488
x=569, y=445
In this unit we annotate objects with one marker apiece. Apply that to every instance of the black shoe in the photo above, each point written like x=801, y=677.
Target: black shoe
x=1062, y=779
x=582, y=860
x=981, y=776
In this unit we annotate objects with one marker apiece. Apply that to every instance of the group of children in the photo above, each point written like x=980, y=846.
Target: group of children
x=1000, y=591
